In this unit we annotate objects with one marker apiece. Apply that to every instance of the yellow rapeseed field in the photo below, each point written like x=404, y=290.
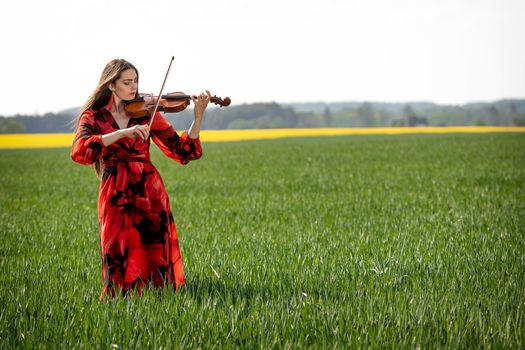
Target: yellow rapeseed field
x=64, y=140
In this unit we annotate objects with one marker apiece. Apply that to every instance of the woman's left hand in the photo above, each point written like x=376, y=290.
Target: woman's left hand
x=201, y=102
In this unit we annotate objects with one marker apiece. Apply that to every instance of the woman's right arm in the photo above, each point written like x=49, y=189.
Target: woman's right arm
x=141, y=131
x=88, y=146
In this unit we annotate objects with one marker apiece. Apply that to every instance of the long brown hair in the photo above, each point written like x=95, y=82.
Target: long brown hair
x=102, y=94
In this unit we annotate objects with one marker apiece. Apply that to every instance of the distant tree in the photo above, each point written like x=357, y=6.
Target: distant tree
x=520, y=120
x=365, y=115
x=515, y=117
x=240, y=124
x=412, y=119
x=383, y=118
x=494, y=115
x=479, y=122
x=327, y=116
x=418, y=121
x=397, y=123
x=309, y=120
x=408, y=114
x=11, y=126
x=468, y=117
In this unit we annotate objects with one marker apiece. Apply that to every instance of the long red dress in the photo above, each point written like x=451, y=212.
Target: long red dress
x=138, y=237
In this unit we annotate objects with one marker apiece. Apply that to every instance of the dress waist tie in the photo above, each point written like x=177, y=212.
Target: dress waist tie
x=113, y=162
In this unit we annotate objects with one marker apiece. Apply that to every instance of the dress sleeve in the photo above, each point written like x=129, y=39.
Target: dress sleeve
x=87, y=145
x=180, y=148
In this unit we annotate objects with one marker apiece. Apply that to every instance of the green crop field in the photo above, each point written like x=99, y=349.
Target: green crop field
x=341, y=242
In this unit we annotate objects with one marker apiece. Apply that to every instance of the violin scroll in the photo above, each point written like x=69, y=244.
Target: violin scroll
x=221, y=102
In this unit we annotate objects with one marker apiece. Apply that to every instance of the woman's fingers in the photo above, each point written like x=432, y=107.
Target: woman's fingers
x=205, y=97
x=141, y=131
x=144, y=131
x=202, y=98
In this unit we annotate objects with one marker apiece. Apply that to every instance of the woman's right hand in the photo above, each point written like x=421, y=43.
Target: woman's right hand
x=141, y=131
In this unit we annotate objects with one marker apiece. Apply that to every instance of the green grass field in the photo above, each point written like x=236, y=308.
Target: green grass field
x=340, y=242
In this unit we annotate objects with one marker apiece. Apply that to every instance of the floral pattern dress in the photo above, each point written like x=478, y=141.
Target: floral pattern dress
x=138, y=237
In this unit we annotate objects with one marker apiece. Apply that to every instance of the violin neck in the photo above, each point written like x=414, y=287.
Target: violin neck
x=176, y=97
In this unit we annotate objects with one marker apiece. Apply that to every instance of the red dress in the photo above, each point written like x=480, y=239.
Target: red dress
x=138, y=238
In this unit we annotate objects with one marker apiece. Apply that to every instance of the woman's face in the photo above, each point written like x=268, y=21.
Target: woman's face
x=125, y=87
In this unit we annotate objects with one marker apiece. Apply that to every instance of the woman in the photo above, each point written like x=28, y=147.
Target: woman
x=138, y=238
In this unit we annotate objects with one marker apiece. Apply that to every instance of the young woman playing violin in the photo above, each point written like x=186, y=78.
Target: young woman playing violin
x=138, y=237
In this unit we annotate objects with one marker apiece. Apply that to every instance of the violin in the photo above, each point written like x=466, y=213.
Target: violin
x=174, y=102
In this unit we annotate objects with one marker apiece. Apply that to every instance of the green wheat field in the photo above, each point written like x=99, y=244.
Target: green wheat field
x=407, y=241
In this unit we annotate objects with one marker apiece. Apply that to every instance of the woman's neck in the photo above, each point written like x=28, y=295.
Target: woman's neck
x=118, y=105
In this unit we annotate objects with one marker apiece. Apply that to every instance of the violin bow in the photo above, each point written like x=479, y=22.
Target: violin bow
x=160, y=93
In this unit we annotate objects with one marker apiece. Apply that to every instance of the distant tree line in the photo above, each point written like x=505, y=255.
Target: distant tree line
x=307, y=115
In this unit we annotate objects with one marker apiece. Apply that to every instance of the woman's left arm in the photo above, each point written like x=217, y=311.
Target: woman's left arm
x=201, y=102
x=187, y=146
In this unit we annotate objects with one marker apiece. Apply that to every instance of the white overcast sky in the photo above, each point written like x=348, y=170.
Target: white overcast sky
x=444, y=51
